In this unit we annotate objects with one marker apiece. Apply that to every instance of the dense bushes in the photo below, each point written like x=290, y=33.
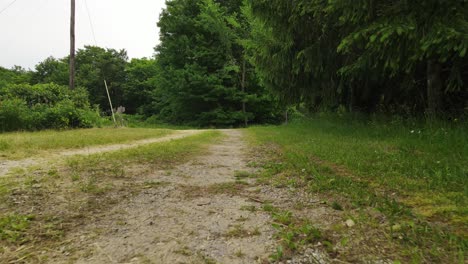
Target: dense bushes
x=44, y=106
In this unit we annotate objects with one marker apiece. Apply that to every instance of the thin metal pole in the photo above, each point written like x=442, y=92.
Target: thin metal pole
x=110, y=103
x=72, y=46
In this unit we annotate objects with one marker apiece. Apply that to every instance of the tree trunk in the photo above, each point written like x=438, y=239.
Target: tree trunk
x=243, y=91
x=434, y=88
x=286, y=117
x=351, y=98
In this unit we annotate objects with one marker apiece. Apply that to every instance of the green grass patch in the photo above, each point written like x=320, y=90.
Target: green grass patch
x=13, y=227
x=18, y=145
x=293, y=233
x=413, y=173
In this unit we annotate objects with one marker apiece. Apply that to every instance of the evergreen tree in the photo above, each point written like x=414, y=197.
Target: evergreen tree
x=199, y=66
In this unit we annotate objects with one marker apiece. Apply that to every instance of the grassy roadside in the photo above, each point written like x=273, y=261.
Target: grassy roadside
x=415, y=176
x=18, y=145
x=41, y=206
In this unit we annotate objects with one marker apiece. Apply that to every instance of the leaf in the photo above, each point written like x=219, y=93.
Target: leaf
x=463, y=52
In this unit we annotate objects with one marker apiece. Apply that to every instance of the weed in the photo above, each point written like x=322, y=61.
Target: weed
x=335, y=205
x=13, y=227
x=232, y=188
x=282, y=217
x=185, y=251
x=278, y=255
x=154, y=184
x=239, y=253
x=242, y=175
x=269, y=208
x=238, y=231
x=250, y=208
x=206, y=259
x=242, y=219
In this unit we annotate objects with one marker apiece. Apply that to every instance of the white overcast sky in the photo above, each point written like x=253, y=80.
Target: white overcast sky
x=32, y=30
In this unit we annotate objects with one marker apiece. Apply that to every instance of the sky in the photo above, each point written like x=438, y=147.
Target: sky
x=32, y=30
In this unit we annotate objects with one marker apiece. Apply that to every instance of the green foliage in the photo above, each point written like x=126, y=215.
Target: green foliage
x=200, y=64
x=93, y=66
x=51, y=70
x=13, y=114
x=44, y=106
x=13, y=227
x=368, y=55
x=16, y=75
x=139, y=85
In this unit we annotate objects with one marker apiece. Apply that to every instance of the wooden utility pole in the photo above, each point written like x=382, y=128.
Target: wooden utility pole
x=72, y=45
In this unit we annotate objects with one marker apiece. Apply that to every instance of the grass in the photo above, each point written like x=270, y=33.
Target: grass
x=13, y=227
x=18, y=145
x=239, y=231
x=414, y=173
x=293, y=232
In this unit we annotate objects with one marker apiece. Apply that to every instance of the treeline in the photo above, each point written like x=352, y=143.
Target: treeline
x=391, y=56
x=226, y=63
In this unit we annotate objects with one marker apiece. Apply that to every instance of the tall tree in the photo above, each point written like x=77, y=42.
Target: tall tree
x=94, y=65
x=139, y=85
x=365, y=54
x=51, y=70
x=197, y=74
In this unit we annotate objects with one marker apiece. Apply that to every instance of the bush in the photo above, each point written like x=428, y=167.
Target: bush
x=45, y=106
x=13, y=114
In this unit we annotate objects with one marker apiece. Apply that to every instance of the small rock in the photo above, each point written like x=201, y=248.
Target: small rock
x=350, y=223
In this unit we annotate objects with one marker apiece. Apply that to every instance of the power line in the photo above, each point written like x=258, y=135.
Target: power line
x=103, y=75
x=5, y=8
x=90, y=22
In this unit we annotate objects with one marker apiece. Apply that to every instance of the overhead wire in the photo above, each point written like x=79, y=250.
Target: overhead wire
x=103, y=75
x=90, y=22
x=8, y=6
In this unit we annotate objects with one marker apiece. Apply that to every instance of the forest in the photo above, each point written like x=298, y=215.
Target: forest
x=231, y=63
x=260, y=131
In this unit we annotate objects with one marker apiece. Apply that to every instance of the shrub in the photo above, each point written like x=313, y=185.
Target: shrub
x=13, y=114
x=45, y=106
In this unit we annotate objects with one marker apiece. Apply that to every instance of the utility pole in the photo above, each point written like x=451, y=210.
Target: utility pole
x=72, y=46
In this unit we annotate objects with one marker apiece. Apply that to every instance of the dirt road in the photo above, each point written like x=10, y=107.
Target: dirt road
x=194, y=216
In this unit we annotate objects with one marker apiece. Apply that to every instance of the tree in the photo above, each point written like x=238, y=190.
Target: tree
x=139, y=85
x=94, y=65
x=196, y=72
x=51, y=70
x=398, y=37
x=15, y=75
x=366, y=54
